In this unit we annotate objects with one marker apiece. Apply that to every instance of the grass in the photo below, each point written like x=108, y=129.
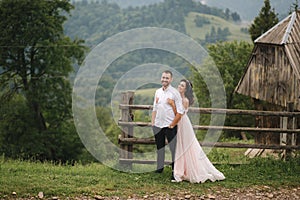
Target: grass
x=200, y=32
x=27, y=179
x=149, y=92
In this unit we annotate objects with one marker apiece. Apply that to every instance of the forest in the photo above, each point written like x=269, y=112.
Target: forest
x=98, y=20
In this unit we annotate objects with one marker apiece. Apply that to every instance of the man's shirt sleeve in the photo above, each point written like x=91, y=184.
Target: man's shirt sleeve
x=154, y=101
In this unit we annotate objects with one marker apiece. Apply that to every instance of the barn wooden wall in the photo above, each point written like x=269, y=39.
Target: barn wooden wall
x=270, y=77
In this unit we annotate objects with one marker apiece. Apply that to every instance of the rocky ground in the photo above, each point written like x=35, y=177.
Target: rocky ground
x=262, y=192
x=251, y=193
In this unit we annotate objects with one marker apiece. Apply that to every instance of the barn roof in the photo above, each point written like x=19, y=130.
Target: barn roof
x=286, y=31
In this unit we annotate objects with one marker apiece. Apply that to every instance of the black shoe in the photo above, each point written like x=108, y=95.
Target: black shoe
x=159, y=171
x=173, y=179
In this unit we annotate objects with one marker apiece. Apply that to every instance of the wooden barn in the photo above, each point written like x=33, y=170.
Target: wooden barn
x=273, y=74
x=273, y=71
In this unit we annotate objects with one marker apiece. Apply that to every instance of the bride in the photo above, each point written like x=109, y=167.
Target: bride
x=191, y=163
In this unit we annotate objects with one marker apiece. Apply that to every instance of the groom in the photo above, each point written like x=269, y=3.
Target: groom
x=164, y=121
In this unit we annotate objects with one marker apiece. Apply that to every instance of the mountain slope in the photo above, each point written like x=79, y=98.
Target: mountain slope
x=200, y=32
x=248, y=10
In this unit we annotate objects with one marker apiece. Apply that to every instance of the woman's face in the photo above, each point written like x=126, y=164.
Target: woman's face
x=182, y=87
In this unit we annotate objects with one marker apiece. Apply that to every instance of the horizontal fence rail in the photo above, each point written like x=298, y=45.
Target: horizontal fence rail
x=220, y=111
x=228, y=128
x=207, y=144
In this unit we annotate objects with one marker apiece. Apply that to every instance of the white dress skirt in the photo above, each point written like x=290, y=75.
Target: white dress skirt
x=191, y=163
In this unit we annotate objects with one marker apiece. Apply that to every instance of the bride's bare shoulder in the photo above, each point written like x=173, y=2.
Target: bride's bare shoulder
x=185, y=102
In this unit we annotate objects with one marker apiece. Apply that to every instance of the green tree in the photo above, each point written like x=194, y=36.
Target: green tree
x=231, y=59
x=36, y=60
x=266, y=19
x=294, y=7
x=236, y=17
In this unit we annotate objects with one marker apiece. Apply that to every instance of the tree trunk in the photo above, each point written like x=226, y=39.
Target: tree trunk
x=38, y=116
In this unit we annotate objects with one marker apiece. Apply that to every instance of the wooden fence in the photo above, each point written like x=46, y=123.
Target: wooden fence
x=127, y=139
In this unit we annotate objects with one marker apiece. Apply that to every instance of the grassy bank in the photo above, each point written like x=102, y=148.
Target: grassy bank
x=200, y=32
x=27, y=179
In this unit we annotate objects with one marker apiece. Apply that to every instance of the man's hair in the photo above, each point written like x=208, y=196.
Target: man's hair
x=168, y=72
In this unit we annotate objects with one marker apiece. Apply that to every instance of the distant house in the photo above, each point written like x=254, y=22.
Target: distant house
x=273, y=74
x=273, y=71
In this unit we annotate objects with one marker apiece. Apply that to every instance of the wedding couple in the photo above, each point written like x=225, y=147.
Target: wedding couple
x=170, y=120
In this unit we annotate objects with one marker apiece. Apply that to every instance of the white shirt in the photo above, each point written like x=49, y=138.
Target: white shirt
x=164, y=112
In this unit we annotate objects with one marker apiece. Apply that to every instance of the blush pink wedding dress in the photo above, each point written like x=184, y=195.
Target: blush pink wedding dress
x=191, y=162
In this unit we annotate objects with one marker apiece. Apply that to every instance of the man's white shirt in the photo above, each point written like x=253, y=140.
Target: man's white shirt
x=164, y=112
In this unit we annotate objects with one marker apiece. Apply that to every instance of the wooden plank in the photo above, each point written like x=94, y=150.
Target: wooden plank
x=151, y=141
x=220, y=111
x=228, y=128
x=249, y=129
x=290, y=125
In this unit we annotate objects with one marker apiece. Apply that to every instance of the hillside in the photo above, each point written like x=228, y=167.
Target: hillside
x=200, y=32
x=134, y=3
x=248, y=10
x=95, y=22
x=126, y=3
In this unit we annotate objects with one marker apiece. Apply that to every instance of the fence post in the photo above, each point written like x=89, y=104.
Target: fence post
x=289, y=136
x=127, y=131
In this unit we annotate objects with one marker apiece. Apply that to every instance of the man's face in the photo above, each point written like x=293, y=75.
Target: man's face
x=166, y=79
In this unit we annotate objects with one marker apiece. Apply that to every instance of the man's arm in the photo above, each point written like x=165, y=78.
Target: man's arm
x=155, y=101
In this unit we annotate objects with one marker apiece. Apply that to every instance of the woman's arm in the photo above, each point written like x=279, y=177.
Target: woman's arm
x=185, y=103
x=172, y=104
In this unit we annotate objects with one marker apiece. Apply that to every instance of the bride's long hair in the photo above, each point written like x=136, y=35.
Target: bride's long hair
x=189, y=91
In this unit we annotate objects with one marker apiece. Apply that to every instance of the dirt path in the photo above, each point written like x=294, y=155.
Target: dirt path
x=262, y=192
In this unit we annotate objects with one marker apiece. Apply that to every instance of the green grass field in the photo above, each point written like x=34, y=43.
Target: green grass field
x=146, y=92
x=26, y=179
